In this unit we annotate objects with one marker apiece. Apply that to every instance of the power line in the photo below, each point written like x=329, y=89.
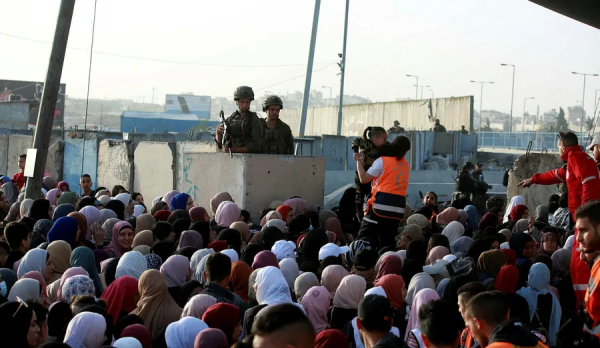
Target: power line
x=165, y=60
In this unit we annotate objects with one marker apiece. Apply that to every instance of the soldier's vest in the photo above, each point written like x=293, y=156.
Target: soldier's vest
x=274, y=140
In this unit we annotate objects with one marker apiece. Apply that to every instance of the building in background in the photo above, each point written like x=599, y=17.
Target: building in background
x=14, y=90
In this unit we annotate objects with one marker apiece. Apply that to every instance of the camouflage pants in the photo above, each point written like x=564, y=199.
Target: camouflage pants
x=362, y=190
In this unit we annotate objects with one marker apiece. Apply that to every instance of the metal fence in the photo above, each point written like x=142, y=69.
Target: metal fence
x=520, y=140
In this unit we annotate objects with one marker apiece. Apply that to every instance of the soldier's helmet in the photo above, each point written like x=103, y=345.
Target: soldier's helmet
x=396, y=123
x=243, y=92
x=272, y=100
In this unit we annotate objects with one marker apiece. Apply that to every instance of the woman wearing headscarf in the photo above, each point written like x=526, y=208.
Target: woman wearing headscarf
x=36, y=260
x=264, y=259
x=287, y=213
x=233, y=239
x=77, y=285
x=60, y=252
x=218, y=199
x=549, y=243
x=506, y=282
x=199, y=214
x=145, y=238
x=473, y=218
x=447, y=216
x=144, y=222
x=11, y=192
x=346, y=209
x=14, y=212
x=514, y=201
x=84, y=257
x=156, y=307
x=40, y=209
x=297, y=204
x=122, y=238
x=417, y=249
x=225, y=317
x=197, y=305
x=332, y=277
x=453, y=231
x=227, y=213
x=249, y=252
x=316, y=303
x=182, y=333
x=39, y=234
x=25, y=207
x=489, y=265
x=393, y=285
x=120, y=297
x=488, y=220
x=240, y=275
x=190, y=238
x=561, y=280
x=58, y=320
x=290, y=271
x=345, y=301
x=418, y=282
x=436, y=254
x=132, y=264
x=308, y=249
x=158, y=206
x=68, y=198
x=18, y=328
x=25, y=289
x=86, y=330
x=413, y=332
x=523, y=245
x=461, y=245
x=118, y=207
x=188, y=290
x=62, y=211
x=390, y=264
x=181, y=201
x=55, y=288
x=334, y=225
x=176, y=271
x=85, y=202
x=542, y=302
x=107, y=227
x=271, y=287
x=211, y=338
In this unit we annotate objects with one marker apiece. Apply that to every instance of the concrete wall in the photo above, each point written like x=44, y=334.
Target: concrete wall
x=114, y=166
x=72, y=169
x=525, y=167
x=153, y=169
x=412, y=114
x=14, y=115
x=184, y=147
x=18, y=145
x=253, y=180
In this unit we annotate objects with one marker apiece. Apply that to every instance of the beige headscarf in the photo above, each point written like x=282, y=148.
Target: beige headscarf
x=145, y=237
x=60, y=255
x=218, y=199
x=156, y=307
x=304, y=282
x=144, y=222
x=243, y=228
x=332, y=277
x=350, y=292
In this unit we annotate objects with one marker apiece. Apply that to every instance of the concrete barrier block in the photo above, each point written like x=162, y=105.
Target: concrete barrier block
x=253, y=180
x=153, y=169
x=184, y=147
x=17, y=145
x=525, y=167
x=4, y=155
x=114, y=167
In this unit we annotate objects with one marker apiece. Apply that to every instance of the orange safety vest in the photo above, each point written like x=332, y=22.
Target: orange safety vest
x=388, y=192
x=592, y=300
x=510, y=345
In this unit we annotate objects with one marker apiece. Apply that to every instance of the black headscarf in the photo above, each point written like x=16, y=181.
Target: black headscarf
x=187, y=252
x=328, y=261
x=86, y=201
x=202, y=227
x=118, y=207
x=410, y=267
x=181, y=225
x=233, y=239
x=164, y=249
x=314, y=218
x=58, y=319
x=14, y=324
x=39, y=209
x=269, y=236
x=425, y=211
x=178, y=214
x=311, y=244
x=132, y=222
x=438, y=239
x=518, y=241
x=348, y=199
x=365, y=259
x=478, y=247
x=310, y=267
x=299, y=225
x=128, y=320
x=249, y=252
x=186, y=291
x=417, y=249
x=111, y=270
x=29, y=221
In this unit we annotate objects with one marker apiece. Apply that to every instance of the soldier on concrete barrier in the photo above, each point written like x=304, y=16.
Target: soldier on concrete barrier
x=373, y=138
x=438, y=127
x=244, y=129
x=278, y=138
x=396, y=128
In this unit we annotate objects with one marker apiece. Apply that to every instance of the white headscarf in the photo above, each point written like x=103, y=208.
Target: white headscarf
x=127, y=342
x=377, y=290
x=123, y=197
x=280, y=224
x=233, y=255
x=133, y=264
x=196, y=258
x=138, y=210
x=516, y=200
x=290, y=271
x=34, y=260
x=182, y=333
x=199, y=271
x=569, y=242
x=272, y=288
x=284, y=249
x=419, y=282
x=25, y=207
x=86, y=330
x=453, y=231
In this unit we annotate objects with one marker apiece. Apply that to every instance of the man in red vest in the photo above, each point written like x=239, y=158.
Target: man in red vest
x=583, y=182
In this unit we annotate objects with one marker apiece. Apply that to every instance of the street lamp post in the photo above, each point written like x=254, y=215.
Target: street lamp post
x=525, y=103
x=583, y=98
x=330, y=89
x=431, y=90
x=417, y=88
x=512, y=98
x=481, y=99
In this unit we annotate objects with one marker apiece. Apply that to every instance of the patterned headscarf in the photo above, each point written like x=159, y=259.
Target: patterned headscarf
x=153, y=261
x=77, y=285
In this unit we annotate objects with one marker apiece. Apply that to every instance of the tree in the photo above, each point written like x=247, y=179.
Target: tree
x=589, y=124
x=486, y=127
x=561, y=122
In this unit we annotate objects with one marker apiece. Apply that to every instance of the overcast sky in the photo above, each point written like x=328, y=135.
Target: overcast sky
x=264, y=44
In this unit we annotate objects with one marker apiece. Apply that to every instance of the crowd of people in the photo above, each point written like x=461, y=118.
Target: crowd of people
x=112, y=269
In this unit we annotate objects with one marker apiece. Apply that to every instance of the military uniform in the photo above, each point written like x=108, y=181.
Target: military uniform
x=278, y=140
x=368, y=155
x=479, y=191
x=396, y=129
x=244, y=131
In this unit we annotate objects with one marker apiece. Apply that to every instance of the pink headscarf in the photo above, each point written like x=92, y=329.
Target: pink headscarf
x=51, y=196
x=92, y=214
x=332, y=277
x=73, y=271
x=447, y=216
x=421, y=298
x=227, y=213
x=298, y=204
x=39, y=277
x=190, y=238
x=218, y=199
x=175, y=270
x=167, y=197
x=269, y=217
x=197, y=214
x=114, y=243
x=316, y=304
x=437, y=253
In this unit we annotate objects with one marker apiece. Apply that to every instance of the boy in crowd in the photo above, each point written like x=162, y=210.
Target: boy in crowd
x=438, y=330
x=19, y=178
x=85, y=182
x=17, y=236
x=283, y=326
x=374, y=321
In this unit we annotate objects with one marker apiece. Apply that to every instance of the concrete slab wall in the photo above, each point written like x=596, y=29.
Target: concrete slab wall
x=334, y=149
x=114, y=167
x=73, y=152
x=184, y=147
x=153, y=169
x=14, y=115
x=17, y=145
x=412, y=114
x=4, y=155
x=525, y=167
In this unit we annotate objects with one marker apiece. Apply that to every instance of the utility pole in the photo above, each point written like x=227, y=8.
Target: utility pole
x=417, y=86
x=309, y=67
x=343, y=71
x=481, y=100
x=512, y=98
x=583, y=100
x=43, y=130
x=525, y=103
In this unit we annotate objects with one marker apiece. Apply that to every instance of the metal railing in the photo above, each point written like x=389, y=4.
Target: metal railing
x=520, y=140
